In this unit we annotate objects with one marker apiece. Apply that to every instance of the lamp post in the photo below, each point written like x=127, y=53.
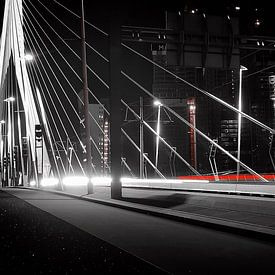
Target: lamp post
x=2, y=122
x=86, y=102
x=9, y=100
x=141, y=141
x=158, y=104
x=242, y=68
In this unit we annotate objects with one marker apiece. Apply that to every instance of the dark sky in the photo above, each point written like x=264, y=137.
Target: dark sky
x=136, y=12
x=151, y=12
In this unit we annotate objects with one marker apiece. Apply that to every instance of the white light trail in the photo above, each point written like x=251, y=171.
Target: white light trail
x=106, y=181
x=75, y=181
x=32, y=183
x=49, y=182
x=99, y=181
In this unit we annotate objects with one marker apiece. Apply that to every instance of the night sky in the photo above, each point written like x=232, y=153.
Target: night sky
x=151, y=13
x=142, y=13
x=135, y=13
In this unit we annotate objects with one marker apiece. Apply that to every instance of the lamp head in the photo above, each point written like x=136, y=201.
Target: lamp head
x=157, y=103
x=9, y=99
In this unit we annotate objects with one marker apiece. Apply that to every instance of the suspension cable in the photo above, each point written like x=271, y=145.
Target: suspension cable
x=75, y=73
x=92, y=25
x=57, y=98
x=162, y=140
x=106, y=110
x=66, y=96
x=49, y=137
x=74, y=33
x=78, y=97
x=201, y=90
x=104, y=83
x=47, y=129
x=195, y=129
x=106, y=34
x=72, y=71
x=89, y=68
x=144, y=155
x=49, y=111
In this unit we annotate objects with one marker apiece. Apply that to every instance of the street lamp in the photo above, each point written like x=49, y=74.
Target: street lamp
x=242, y=68
x=28, y=57
x=9, y=99
x=10, y=136
x=158, y=104
x=2, y=122
x=86, y=101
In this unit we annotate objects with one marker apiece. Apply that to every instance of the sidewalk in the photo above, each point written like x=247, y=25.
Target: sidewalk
x=245, y=214
x=177, y=247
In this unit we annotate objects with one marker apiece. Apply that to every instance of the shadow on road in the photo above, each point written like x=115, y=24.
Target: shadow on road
x=160, y=201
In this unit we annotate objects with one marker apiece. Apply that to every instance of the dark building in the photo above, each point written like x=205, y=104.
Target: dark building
x=204, y=55
x=205, y=58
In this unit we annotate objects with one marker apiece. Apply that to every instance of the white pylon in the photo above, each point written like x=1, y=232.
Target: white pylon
x=12, y=46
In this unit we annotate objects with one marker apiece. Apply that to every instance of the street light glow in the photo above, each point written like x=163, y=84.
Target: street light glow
x=157, y=103
x=155, y=182
x=9, y=99
x=243, y=68
x=2, y=122
x=49, y=182
x=28, y=57
x=75, y=181
x=257, y=23
x=99, y=181
x=32, y=183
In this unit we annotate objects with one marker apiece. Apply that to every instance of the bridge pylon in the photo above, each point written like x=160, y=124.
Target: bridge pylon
x=20, y=116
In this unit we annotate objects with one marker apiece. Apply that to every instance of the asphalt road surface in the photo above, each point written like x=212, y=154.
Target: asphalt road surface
x=35, y=242
x=176, y=247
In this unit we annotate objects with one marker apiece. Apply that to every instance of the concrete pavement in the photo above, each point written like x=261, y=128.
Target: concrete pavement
x=174, y=246
x=251, y=214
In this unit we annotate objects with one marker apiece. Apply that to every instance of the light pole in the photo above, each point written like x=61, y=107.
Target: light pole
x=2, y=122
x=158, y=104
x=242, y=68
x=86, y=102
x=9, y=100
x=141, y=141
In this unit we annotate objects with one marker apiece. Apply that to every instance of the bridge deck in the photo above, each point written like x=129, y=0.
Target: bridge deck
x=171, y=245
